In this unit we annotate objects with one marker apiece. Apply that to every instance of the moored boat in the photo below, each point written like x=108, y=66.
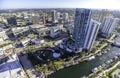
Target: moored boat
x=91, y=58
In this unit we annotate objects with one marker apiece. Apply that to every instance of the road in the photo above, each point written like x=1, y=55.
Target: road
x=103, y=72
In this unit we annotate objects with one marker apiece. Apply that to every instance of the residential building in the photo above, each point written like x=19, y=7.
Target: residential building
x=56, y=30
x=85, y=29
x=91, y=34
x=21, y=22
x=58, y=15
x=81, y=22
x=65, y=17
x=25, y=41
x=44, y=19
x=108, y=25
x=40, y=29
x=18, y=31
x=54, y=17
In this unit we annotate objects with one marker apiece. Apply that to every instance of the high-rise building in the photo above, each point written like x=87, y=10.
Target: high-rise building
x=65, y=17
x=54, y=17
x=85, y=29
x=12, y=21
x=92, y=33
x=44, y=19
x=58, y=15
x=108, y=25
x=81, y=22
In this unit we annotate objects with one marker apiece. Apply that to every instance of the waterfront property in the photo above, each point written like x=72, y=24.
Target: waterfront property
x=108, y=25
x=85, y=29
x=85, y=68
x=80, y=26
x=57, y=43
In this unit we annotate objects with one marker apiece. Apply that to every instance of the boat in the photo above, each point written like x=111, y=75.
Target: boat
x=99, y=54
x=118, y=54
x=103, y=65
x=91, y=58
x=94, y=70
x=116, y=57
x=108, y=62
x=105, y=52
x=108, y=49
x=111, y=60
x=100, y=67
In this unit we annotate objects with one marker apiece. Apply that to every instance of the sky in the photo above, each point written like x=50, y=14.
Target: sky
x=96, y=4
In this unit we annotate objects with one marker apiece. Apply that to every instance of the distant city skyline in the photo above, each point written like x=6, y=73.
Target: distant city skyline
x=96, y=4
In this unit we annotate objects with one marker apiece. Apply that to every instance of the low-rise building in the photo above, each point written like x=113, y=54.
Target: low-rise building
x=8, y=49
x=21, y=22
x=55, y=30
x=36, y=41
x=40, y=29
x=18, y=30
x=10, y=67
x=3, y=35
x=25, y=41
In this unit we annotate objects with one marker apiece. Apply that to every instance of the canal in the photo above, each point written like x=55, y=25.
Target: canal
x=84, y=68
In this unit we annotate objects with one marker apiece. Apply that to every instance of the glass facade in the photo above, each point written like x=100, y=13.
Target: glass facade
x=82, y=19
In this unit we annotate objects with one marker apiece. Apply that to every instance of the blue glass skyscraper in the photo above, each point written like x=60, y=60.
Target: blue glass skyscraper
x=85, y=29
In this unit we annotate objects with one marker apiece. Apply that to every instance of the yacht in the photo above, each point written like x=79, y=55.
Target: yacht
x=99, y=54
x=95, y=70
x=91, y=58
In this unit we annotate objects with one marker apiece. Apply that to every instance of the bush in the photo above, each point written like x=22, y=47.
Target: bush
x=57, y=65
x=2, y=45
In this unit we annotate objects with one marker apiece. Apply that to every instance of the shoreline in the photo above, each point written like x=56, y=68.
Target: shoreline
x=84, y=59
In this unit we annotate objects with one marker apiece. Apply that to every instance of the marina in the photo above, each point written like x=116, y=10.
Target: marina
x=85, y=68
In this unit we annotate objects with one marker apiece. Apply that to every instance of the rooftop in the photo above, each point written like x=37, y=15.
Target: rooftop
x=37, y=26
x=11, y=68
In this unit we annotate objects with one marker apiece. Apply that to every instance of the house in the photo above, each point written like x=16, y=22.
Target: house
x=25, y=41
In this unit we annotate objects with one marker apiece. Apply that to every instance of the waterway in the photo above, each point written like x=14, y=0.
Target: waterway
x=84, y=68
